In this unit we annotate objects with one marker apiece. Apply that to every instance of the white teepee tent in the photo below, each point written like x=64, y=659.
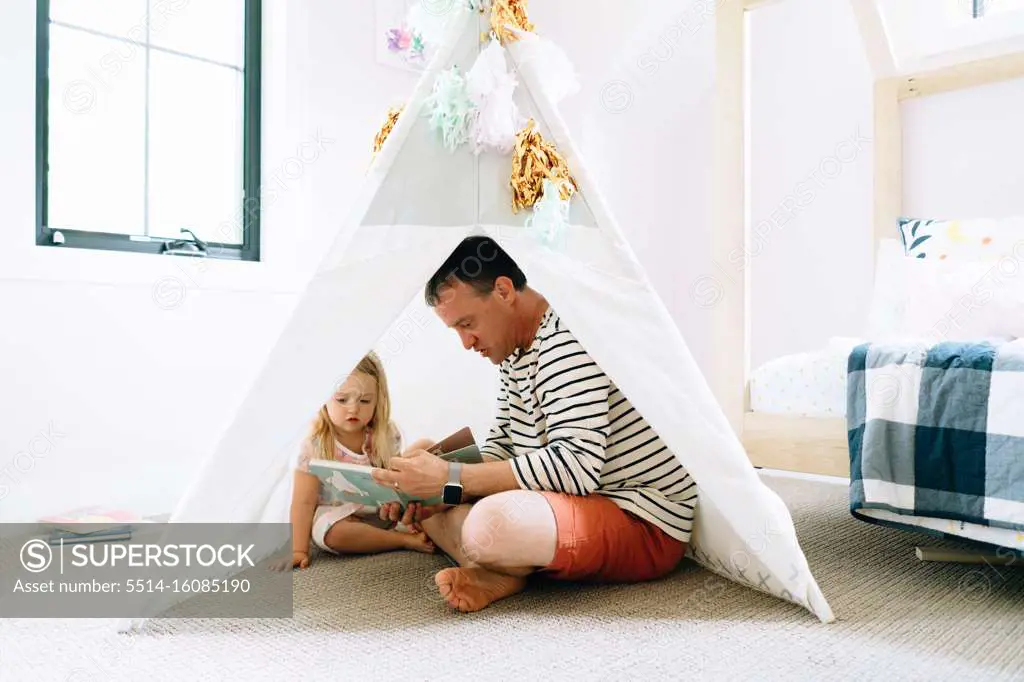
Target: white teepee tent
x=418, y=202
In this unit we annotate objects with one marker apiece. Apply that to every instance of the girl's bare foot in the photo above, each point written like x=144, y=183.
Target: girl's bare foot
x=471, y=589
x=419, y=542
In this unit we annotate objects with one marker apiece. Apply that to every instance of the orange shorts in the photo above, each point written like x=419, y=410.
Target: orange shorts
x=600, y=542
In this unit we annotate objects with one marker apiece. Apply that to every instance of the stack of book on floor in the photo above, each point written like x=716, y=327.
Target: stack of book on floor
x=90, y=524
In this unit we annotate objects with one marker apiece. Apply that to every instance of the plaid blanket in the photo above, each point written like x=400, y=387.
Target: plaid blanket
x=938, y=431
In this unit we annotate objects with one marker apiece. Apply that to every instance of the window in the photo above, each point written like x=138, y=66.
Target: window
x=924, y=34
x=148, y=126
x=987, y=8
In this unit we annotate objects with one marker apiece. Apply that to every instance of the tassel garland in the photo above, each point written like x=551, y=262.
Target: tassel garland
x=491, y=88
x=389, y=124
x=450, y=108
x=533, y=161
x=548, y=64
x=550, y=217
x=507, y=15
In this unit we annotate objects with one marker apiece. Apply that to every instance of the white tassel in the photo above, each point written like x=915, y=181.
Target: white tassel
x=548, y=63
x=491, y=88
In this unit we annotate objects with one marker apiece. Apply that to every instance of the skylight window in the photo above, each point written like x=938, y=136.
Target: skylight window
x=991, y=8
x=921, y=31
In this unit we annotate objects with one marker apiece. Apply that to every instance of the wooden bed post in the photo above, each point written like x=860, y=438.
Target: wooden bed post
x=888, y=131
x=728, y=378
x=888, y=167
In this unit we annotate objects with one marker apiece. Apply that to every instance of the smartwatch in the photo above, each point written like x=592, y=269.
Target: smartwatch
x=452, y=492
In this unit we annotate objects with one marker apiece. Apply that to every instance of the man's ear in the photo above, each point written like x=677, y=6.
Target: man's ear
x=505, y=289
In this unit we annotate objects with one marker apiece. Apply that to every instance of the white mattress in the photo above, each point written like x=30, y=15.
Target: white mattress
x=809, y=384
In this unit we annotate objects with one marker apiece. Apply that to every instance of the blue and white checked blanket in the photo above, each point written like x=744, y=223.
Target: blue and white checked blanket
x=937, y=431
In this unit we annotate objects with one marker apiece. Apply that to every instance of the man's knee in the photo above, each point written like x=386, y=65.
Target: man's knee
x=488, y=531
x=479, y=540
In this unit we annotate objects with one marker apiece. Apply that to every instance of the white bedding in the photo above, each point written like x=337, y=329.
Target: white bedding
x=811, y=384
x=1001, y=537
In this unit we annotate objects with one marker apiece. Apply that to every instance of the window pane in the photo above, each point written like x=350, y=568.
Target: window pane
x=195, y=153
x=96, y=134
x=124, y=18
x=995, y=7
x=211, y=29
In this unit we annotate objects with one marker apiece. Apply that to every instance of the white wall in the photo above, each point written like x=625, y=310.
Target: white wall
x=646, y=132
x=963, y=152
x=810, y=96
x=118, y=372
x=810, y=174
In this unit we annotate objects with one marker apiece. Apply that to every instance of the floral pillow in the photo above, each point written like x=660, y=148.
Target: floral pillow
x=979, y=239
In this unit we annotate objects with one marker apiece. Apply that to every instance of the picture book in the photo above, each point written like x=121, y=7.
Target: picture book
x=467, y=455
x=108, y=535
x=459, y=447
x=86, y=520
x=458, y=440
x=344, y=482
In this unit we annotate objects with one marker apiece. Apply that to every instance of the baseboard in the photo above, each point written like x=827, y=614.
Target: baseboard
x=781, y=473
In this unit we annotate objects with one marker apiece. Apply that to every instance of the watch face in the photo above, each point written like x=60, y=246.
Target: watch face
x=452, y=494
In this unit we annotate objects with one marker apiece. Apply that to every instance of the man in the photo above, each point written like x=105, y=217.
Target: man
x=577, y=485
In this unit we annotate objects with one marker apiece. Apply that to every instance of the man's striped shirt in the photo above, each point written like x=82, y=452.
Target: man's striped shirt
x=566, y=428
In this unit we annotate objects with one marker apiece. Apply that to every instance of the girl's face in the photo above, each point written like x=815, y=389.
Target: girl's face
x=352, y=406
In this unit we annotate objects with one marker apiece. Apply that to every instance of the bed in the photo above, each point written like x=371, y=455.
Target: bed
x=797, y=415
x=793, y=413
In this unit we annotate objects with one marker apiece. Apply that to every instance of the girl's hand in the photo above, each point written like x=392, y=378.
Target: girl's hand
x=393, y=512
x=412, y=516
x=390, y=511
x=300, y=559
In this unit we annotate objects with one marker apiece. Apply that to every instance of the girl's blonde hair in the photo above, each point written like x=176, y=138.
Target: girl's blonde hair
x=383, y=438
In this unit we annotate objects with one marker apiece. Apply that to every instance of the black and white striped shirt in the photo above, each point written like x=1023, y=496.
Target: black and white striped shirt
x=566, y=428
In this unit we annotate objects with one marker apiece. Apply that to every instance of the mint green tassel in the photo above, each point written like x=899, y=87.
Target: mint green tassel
x=450, y=108
x=550, y=219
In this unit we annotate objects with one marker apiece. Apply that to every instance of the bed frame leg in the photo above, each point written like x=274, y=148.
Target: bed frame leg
x=962, y=556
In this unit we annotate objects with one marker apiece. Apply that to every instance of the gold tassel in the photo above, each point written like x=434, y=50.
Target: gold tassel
x=393, y=114
x=505, y=13
x=533, y=160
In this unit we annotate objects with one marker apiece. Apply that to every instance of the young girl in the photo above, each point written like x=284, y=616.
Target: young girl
x=354, y=426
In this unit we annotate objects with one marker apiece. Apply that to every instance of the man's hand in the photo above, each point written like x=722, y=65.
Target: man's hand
x=417, y=472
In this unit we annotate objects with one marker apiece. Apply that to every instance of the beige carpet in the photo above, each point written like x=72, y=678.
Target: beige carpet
x=379, y=618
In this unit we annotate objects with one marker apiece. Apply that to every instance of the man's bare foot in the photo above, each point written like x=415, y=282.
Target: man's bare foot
x=471, y=589
x=419, y=542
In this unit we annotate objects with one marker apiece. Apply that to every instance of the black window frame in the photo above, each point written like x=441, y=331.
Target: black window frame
x=249, y=211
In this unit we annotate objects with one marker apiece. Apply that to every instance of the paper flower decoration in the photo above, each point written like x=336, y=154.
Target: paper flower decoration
x=399, y=39
x=389, y=124
x=506, y=15
x=533, y=161
x=450, y=108
x=491, y=88
x=550, y=218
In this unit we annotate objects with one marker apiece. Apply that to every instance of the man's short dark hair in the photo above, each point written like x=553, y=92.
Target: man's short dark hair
x=477, y=261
